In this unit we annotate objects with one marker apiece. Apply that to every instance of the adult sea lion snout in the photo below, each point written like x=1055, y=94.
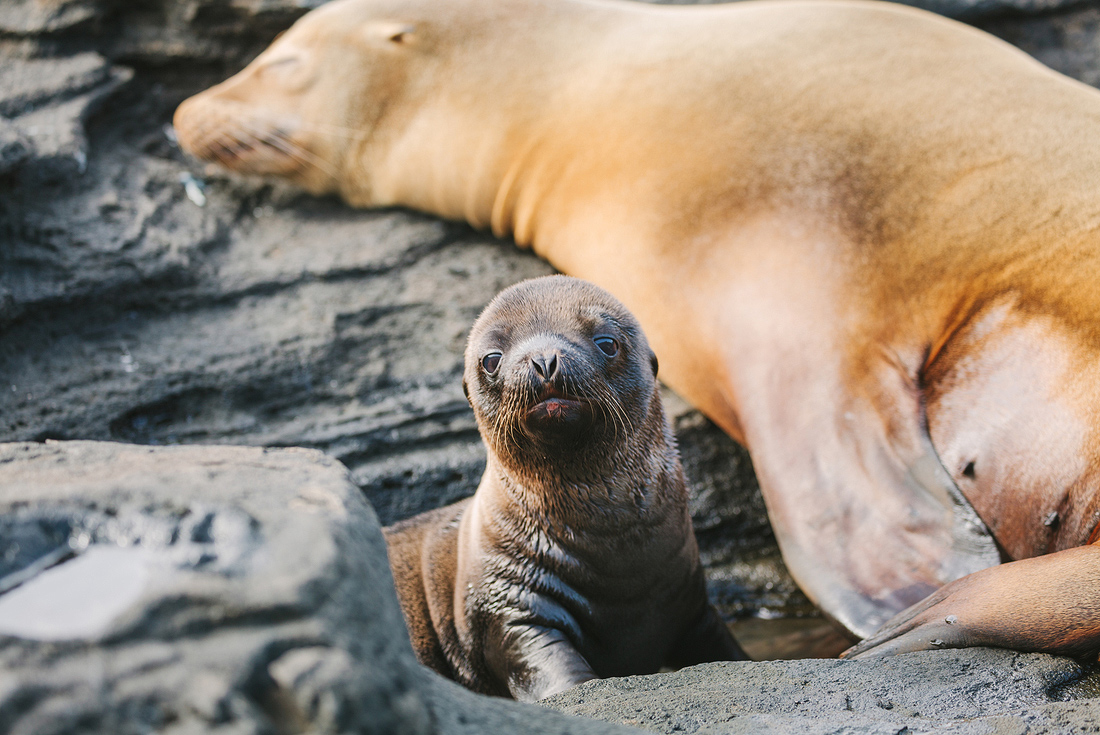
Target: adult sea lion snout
x=306, y=108
x=240, y=138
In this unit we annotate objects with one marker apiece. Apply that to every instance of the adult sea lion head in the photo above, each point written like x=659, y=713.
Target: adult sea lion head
x=312, y=106
x=561, y=378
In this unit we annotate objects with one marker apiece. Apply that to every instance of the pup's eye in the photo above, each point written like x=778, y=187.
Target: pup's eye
x=607, y=345
x=491, y=362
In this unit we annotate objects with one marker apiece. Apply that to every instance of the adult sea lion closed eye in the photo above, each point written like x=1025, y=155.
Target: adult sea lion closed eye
x=575, y=558
x=863, y=239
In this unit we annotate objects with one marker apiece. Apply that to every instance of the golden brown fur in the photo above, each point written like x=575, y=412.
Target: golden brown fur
x=865, y=240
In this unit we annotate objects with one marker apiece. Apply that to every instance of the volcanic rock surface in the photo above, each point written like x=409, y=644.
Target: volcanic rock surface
x=968, y=691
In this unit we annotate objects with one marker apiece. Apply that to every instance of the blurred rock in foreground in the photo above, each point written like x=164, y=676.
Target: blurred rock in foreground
x=210, y=590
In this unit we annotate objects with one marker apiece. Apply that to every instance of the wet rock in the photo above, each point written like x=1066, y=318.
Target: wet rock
x=963, y=691
x=209, y=589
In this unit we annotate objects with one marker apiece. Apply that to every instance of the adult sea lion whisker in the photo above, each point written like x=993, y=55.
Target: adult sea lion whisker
x=268, y=117
x=278, y=140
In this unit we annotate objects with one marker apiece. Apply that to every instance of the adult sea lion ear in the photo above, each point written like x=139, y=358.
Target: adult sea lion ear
x=393, y=31
x=653, y=363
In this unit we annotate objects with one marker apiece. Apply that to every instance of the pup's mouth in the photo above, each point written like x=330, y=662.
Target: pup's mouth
x=555, y=408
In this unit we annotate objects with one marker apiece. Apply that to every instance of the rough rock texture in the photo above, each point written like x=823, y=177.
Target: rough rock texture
x=1068, y=41
x=210, y=590
x=967, y=691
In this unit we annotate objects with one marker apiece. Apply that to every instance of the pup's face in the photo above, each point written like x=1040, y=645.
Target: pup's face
x=556, y=367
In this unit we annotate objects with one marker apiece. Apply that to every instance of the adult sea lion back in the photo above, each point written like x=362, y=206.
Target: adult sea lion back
x=863, y=239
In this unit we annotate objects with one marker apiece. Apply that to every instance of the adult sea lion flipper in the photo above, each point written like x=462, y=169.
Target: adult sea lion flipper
x=868, y=519
x=1048, y=603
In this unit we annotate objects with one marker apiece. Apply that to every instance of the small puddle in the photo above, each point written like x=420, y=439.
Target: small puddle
x=789, y=638
x=79, y=598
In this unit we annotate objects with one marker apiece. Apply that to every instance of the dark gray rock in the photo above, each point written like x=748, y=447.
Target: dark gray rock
x=213, y=33
x=964, y=691
x=14, y=149
x=1068, y=42
x=976, y=10
x=44, y=104
x=44, y=16
x=210, y=589
x=26, y=84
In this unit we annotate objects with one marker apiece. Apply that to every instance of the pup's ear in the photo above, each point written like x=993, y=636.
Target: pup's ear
x=653, y=363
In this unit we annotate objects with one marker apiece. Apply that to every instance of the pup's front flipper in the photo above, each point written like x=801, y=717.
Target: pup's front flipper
x=537, y=662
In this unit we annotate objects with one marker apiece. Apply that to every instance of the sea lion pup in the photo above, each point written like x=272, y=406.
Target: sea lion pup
x=575, y=558
x=865, y=241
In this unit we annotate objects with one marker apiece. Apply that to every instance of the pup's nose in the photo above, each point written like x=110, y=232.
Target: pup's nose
x=546, y=365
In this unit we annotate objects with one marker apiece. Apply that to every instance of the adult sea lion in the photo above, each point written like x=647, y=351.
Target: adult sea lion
x=864, y=240
x=575, y=558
